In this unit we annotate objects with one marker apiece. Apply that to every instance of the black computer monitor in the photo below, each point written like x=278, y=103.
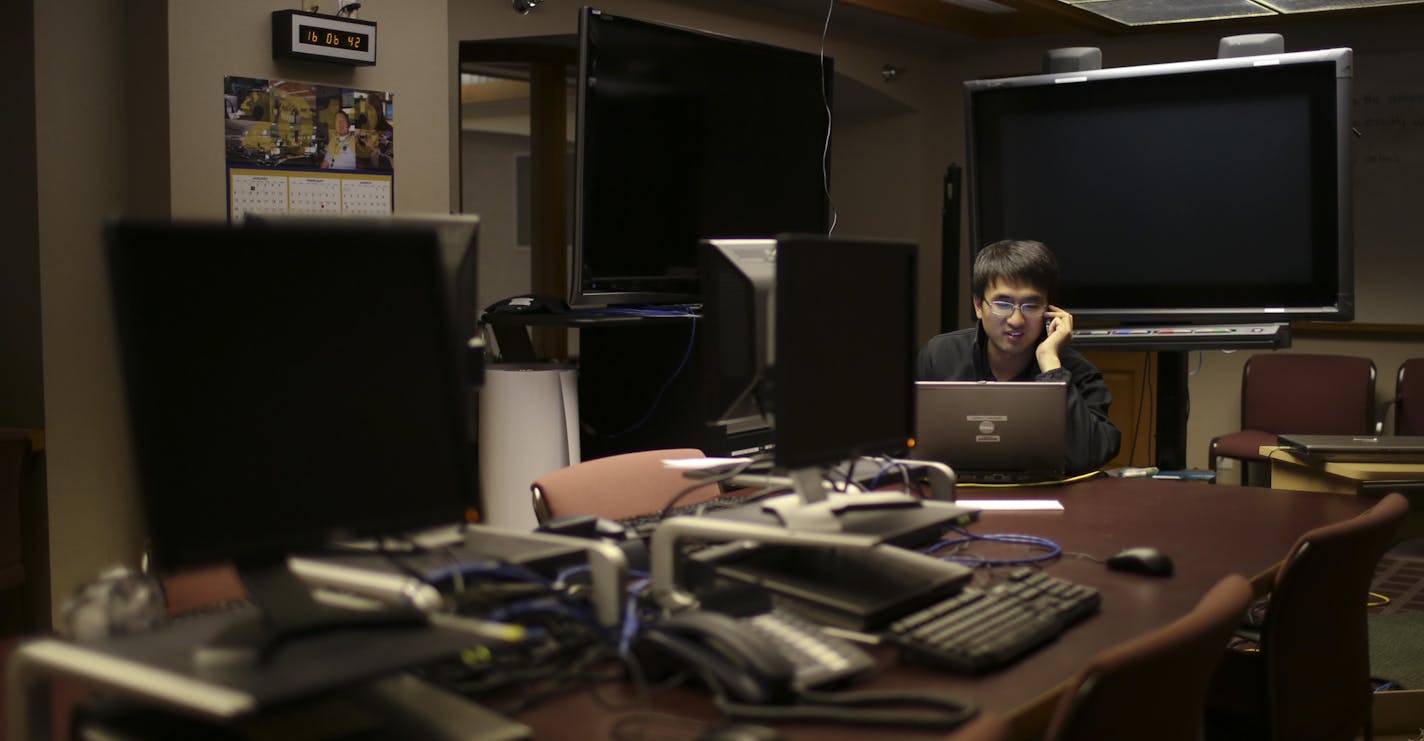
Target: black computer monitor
x=286, y=388
x=457, y=235
x=845, y=349
x=738, y=286
x=815, y=336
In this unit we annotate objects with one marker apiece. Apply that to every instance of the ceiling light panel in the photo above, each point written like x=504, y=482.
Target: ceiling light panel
x=1150, y=12
x=1312, y=6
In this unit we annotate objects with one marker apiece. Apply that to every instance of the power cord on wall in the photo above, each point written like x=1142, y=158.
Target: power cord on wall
x=825, y=100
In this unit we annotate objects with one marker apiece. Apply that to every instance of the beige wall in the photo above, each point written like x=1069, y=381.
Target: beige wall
x=411, y=62
x=92, y=84
x=80, y=108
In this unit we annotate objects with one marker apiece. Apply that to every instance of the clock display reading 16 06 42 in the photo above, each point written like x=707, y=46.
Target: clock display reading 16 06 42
x=334, y=39
x=300, y=35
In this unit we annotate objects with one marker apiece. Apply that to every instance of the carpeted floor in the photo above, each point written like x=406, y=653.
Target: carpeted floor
x=1397, y=628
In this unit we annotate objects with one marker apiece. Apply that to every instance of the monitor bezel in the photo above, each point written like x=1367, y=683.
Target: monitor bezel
x=1339, y=307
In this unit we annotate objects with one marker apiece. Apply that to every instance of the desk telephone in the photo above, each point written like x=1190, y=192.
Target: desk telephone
x=764, y=658
x=765, y=667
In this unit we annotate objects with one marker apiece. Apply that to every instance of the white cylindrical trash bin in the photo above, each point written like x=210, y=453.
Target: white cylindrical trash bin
x=528, y=427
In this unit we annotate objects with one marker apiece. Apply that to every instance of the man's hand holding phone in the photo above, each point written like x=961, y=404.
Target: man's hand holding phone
x=1057, y=331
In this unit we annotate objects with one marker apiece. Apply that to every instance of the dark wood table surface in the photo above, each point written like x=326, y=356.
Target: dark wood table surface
x=1208, y=530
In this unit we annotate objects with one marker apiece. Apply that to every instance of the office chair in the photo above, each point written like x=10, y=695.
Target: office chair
x=205, y=587
x=1153, y=685
x=1296, y=393
x=1309, y=677
x=1408, y=400
x=617, y=487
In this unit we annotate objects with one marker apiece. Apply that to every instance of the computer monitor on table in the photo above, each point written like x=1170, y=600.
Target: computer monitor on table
x=845, y=349
x=815, y=337
x=845, y=346
x=738, y=287
x=286, y=389
x=842, y=318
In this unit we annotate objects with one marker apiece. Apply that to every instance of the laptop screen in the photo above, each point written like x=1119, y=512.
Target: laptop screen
x=1009, y=432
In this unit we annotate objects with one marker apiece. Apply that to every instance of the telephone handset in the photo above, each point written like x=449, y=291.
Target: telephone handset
x=765, y=658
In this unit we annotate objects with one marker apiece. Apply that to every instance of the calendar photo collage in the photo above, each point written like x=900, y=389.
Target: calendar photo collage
x=301, y=148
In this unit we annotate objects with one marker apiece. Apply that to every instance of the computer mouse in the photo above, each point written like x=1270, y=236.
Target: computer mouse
x=741, y=732
x=1141, y=560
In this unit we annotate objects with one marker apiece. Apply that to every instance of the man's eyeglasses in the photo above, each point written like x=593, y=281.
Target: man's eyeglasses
x=1005, y=309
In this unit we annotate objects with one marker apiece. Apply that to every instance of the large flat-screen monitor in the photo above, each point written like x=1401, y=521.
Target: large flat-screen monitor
x=1204, y=191
x=685, y=135
x=286, y=388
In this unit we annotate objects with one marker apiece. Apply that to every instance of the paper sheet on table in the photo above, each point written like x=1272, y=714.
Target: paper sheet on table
x=1014, y=505
x=694, y=464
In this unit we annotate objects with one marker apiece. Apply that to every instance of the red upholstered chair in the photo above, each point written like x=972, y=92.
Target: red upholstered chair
x=196, y=589
x=1154, y=685
x=1310, y=676
x=617, y=487
x=1408, y=400
x=1283, y=392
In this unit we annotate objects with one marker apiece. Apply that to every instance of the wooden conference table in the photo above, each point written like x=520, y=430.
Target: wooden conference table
x=1208, y=530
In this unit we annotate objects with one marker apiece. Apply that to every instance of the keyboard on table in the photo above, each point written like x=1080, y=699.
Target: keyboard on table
x=978, y=630
x=649, y=520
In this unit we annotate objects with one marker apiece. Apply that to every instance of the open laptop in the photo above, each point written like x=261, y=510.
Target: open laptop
x=1361, y=448
x=993, y=432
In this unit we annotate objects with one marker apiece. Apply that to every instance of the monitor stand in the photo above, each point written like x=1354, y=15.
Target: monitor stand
x=812, y=507
x=286, y=611
x=890, y=517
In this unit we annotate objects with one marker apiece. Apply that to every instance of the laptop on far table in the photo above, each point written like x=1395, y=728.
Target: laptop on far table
x=1360, y=448
x=1009, y=432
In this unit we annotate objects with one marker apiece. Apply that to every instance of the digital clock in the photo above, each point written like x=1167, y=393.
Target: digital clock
x=333, y=39
x=300, y=35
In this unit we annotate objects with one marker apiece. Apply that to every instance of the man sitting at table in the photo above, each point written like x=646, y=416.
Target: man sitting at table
x=1020, y=336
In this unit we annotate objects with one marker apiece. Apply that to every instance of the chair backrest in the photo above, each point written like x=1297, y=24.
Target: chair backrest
x=195, y=589
x=1308, y=394
x=1409, y=398
x=617, y=486
x=1315, y=639
x=1158, y=680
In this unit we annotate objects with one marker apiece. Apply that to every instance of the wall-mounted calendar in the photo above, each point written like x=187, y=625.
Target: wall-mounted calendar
x=295, y=147
x=281, y=191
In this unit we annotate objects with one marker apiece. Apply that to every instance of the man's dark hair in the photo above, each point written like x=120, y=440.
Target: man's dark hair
x=1016, y=261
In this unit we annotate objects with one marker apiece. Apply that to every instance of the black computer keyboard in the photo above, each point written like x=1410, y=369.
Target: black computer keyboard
x=978, y=630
